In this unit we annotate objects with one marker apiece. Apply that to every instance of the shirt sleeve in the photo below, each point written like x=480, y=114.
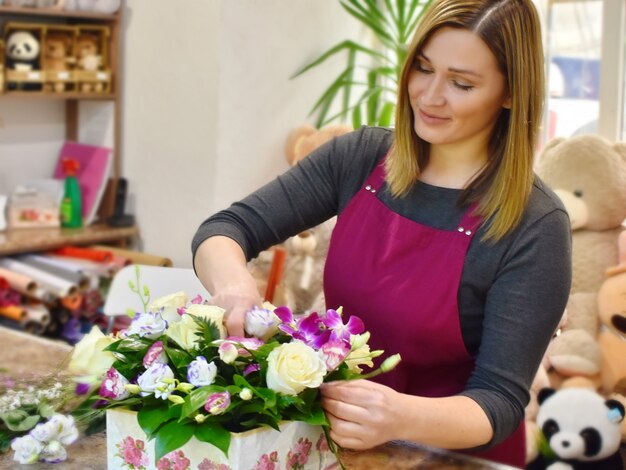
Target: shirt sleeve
x=313, y=191
x=522, y=310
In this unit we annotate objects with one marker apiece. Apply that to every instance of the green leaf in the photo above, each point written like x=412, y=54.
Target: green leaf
x=386, y=115
x=171, y=436
x=19, y=420
x=214, y=434
x=179, y=357
x=356, y=117
x=317, y=417
x=150, y=419
x=133, y=343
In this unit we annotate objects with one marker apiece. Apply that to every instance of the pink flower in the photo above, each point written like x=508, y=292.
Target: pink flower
x=307, y=329
x=322, y=444
x=207, y=464
x=267, y=462
x=175, y=460
x=156, y=353
x=217, y=403
x=132, y=452
x=251, y=368
x=298, y=456
x=333, y=353
x=113, y=386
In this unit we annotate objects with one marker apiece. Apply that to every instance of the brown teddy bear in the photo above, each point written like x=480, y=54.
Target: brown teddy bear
x=301, y=285
x=89, y=60
x=56, y=57
x=612, y=314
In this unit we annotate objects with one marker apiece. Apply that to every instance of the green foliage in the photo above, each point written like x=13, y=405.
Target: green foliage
x=372, y=100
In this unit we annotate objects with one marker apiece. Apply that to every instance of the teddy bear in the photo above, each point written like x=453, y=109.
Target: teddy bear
x=578, y=429
x=588, y=173
x=612, y=315
x=55, y=57
x=301, y=285
x=88, y=59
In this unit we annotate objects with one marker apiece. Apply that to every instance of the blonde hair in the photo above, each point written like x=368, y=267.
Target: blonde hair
x=511, y=30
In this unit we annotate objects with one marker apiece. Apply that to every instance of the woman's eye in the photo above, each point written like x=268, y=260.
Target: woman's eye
x=420, y=67
x=462, y=86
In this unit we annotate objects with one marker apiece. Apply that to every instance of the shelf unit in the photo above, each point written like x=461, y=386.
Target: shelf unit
x=25, y=240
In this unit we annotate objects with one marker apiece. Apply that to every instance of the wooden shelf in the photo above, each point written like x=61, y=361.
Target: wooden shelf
x=17, y=241
x=41, y=95
x=44, y=12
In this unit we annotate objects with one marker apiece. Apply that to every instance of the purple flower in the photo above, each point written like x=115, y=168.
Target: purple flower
x=339, y=331
x=158, y=379
x=333, y=353
x=113, y=386
x=217, y=403
x=251, y=368
x=81, y=389
x=156, y=353
x=149, y=325
x=307, y=329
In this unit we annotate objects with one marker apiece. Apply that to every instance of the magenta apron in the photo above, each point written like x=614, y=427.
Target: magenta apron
x=402, y=278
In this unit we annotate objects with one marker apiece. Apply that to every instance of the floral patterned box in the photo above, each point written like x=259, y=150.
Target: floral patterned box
x=297, y=446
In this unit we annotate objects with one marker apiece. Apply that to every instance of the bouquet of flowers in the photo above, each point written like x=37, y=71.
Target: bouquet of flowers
x=185, y=377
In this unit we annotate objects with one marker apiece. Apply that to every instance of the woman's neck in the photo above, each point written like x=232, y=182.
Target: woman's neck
x=452, y=168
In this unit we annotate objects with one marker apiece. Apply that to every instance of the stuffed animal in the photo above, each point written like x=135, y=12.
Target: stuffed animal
x=581, y=430
x=99, y=6
x=22, y=51
x=301, y=286
x=588, y=173
x=612, y=314
x=55, y=57
x=88, y=59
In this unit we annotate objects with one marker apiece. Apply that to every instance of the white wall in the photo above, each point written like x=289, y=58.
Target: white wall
x=207, y=107
x=207, y=114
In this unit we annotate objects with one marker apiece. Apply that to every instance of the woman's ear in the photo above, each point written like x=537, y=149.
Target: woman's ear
x=507, y=102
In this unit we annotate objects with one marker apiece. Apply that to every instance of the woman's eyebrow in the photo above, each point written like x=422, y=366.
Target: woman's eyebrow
x=452, y=69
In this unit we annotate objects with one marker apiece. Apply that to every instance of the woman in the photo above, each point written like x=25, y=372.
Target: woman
x=446, y=245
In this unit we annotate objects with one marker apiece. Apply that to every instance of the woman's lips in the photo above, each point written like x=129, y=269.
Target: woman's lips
x=430, y=119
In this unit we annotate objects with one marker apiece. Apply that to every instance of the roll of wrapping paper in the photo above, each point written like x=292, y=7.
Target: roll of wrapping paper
x=44, y=296
x=99, y=256
x=19, y=282
x=13, y=312
x=38, y=314
x=276, y=272
x=87, y=267
x=57, y=285
x=137, y=257
x=46, y=264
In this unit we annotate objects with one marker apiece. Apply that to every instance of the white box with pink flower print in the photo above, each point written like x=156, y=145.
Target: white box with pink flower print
x=297, y=446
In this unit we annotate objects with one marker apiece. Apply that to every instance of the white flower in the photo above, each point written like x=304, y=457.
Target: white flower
x=58, y=428
x=152, y=381
x=200, y=372
x=228, y=352
x=170, y=305
x=261, y=323
x=294, y=366
x=245, y=394
x=88, y=358
x=150, y=325
x=184, y=332
x=209, y=312
x=54, y=452
x=27, y=449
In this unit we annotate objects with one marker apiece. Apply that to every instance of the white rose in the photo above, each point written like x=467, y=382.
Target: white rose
x=26, y=449
x=261, y=323
x=88, y=358
x=170, y=305
x=210, y=312
x=184, y=332
x=294, y=366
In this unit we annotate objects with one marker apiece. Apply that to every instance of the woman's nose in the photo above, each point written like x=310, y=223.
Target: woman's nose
x=432, y=95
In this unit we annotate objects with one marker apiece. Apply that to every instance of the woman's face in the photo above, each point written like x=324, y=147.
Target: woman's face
x=456, y=90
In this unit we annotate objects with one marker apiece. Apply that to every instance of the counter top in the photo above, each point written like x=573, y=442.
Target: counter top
x=24, y=354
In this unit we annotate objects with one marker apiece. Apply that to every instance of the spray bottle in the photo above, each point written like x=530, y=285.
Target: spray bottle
x=71, y=205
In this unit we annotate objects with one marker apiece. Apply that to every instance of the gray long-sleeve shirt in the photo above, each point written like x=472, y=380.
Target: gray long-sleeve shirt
x=512, y=292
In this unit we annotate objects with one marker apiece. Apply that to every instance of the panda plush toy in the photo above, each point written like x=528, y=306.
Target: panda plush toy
x=22, y=51
x=581, y=429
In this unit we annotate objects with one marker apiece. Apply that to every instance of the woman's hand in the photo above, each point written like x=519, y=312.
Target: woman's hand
x=362, y=414
x=237, y=298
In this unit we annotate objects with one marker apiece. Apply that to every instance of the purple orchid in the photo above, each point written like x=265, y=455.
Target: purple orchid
x=307, y=329
x=250, y=368
x=339, y=331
